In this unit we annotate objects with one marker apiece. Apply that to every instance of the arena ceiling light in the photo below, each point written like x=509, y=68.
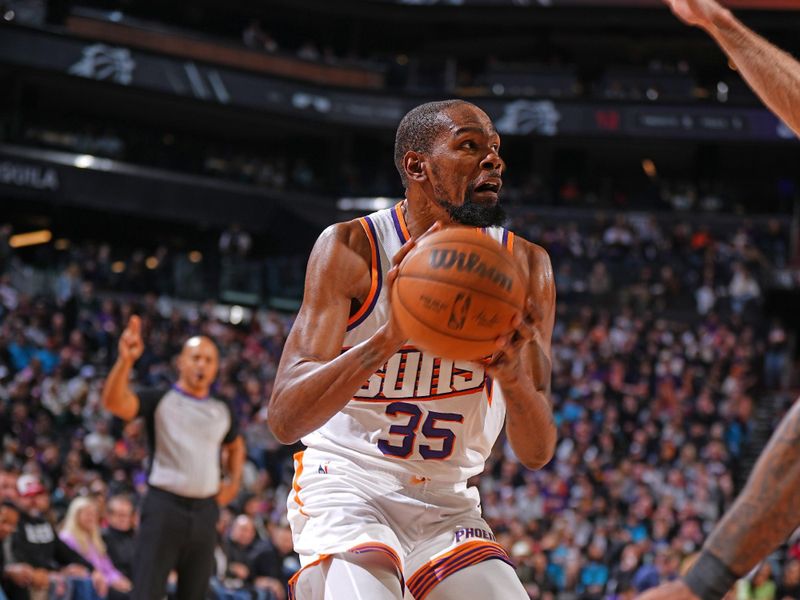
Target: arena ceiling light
x=31, y=238
x=87, y=161
x=366, y=203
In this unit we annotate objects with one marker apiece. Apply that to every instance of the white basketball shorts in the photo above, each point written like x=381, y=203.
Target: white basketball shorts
x=429, y=531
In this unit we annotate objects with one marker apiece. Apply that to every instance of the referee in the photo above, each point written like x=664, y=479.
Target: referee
x=187, y=430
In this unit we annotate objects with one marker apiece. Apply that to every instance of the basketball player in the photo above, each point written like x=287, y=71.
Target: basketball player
x=768, y=509
x=380, y=500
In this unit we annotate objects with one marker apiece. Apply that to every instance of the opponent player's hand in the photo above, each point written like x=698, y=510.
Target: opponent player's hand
x=700, y=13
x=394, y=330
x=674, y=590
x=506, y=364
x=130, y=344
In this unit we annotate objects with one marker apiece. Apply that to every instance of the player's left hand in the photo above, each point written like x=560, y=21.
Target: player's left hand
x=506, y=364
x=227, y=493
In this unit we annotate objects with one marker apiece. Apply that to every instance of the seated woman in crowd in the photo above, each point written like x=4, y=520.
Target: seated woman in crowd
x=81, y=532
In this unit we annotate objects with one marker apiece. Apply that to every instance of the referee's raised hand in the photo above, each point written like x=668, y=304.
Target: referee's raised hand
x=131, y=345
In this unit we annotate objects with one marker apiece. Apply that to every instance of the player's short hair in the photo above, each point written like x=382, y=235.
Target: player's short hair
x=418, y=129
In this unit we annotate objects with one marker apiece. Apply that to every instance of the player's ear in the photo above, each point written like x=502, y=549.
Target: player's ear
x=414, y=165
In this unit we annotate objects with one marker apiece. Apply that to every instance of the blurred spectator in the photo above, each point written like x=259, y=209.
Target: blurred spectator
x=235, y=241
x=16, y=574
x=776, y=357
x=36, y=544
x=789, y=586
x=119, y=534
x=252, y=564
x=308, y=51
x=81, y=532
x=594, y=574
x=99, y=443
x=760, y=587
x=256, y=38
x=743, y=288
x=8, y=486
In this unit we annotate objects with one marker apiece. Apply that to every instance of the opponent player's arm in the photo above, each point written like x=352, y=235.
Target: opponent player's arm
x=315, y=378
x=118, y=398
x=772, y=73
x=530, y=425
x=764, y=515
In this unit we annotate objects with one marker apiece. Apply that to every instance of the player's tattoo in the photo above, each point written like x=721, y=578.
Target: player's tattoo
x=768, y=510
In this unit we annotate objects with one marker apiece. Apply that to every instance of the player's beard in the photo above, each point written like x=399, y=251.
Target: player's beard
x=470, y=212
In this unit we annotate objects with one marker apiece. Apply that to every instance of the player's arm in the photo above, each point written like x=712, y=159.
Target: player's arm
x=315, y=379
x=764, y=515
x=118, y=398
x=772, y=73
x=522, y=367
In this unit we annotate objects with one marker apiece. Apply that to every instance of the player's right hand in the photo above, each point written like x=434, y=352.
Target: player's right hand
x=131, y=345
x=674, y=590
x=700, y=13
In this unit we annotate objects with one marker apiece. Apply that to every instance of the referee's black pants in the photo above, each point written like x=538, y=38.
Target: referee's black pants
x=174, y=533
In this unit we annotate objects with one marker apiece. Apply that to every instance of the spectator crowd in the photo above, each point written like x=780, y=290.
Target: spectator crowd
x=657, y=370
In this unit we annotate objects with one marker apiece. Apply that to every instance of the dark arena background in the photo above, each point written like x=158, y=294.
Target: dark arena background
x=177, y=160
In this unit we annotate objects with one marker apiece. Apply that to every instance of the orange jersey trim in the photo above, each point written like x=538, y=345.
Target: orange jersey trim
x=375, y=276
x=298, y=470
x=400, y=223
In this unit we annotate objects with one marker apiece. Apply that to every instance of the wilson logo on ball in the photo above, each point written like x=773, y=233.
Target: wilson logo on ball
x=469, y=263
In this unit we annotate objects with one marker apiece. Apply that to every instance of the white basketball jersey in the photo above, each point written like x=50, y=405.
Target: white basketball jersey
x=419, y=414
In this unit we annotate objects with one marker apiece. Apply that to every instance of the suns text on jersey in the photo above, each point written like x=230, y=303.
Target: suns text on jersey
x=411, y=373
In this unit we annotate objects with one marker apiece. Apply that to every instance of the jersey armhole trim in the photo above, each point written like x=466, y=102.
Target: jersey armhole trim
x=376, y=276
x=400, y=223
x=508, y=239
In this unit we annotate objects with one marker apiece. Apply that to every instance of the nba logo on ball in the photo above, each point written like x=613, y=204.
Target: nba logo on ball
x=458, y=314
x=456, y=292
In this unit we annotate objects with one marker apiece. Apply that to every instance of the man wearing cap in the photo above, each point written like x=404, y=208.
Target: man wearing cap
x=188, y=430
x=35, y=543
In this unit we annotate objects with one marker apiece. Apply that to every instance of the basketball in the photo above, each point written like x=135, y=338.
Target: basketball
x=456, y=292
